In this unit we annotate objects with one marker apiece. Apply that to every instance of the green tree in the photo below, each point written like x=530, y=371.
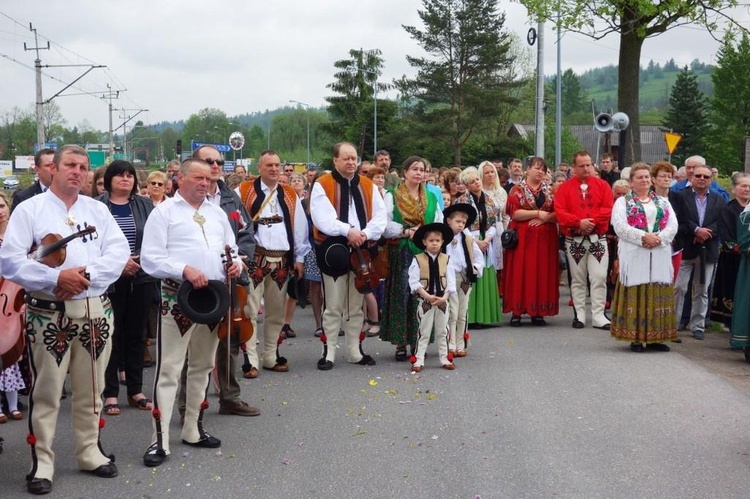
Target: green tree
x=729, y=112
x=208, y=125
x=54, y=122
x=686, y=115
x=634, y=20
x=352, y=108
x=462, y=83
x=573, y=96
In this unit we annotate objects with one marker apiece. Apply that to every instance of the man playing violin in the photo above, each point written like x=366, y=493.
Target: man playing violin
x=345, y=204
x=184, y=240
x=69, y=319
x=281, y=240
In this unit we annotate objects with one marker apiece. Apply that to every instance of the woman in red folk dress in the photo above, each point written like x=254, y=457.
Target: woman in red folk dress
x=531, y=268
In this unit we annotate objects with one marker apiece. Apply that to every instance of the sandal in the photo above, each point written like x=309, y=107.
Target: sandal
x=318, y=332
x=373, y=328
x=400, y=354
x=288, y=332
x=143, y=404
x=3, y=418
x=16, y=415
x=112, y=410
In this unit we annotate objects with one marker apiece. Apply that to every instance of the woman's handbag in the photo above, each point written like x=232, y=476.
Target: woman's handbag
x=509, y=239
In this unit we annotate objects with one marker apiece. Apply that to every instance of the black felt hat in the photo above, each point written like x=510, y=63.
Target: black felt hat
x=332, y=256
x=421, y=232
x=470, y=211
x=296, y=290
x=207, y=305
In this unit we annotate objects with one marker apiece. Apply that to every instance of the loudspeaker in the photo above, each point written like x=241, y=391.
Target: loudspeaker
x=603, y=122
x=620, y=121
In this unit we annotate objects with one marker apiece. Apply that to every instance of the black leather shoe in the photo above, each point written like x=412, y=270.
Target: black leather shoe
x=659, y=347
x=605, y=327
x=637, y=347
x=108, y=470
x=154, y=456
x=577, y=324
x=401, y=354
x=325, y=365
x=207, y=442
x=366, y=361
x=39, y=486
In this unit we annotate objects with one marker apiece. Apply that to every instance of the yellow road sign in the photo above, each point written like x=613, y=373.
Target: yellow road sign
x=672, y=139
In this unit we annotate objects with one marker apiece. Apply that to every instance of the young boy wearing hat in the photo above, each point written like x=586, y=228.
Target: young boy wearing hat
x=467, y=261
x=433, y=280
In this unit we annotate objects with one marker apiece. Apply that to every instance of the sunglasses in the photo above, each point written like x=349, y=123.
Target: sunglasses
x=702, y=176
x=211, y=161
x=157, y=184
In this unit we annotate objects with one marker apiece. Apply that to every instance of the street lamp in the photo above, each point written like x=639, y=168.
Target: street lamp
x=307, y=106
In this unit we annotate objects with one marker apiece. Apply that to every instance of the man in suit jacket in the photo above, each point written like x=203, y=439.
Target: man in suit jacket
x=699, y=210
x=690, y=164
x=42, y=165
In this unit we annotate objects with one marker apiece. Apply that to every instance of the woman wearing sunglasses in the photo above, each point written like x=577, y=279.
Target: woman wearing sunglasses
x=157, y=187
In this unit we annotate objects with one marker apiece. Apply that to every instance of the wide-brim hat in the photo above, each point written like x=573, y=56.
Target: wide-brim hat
x=296, y=290
x=470, y=211
x=207, y=305
x=433, y=227
x=332, y=256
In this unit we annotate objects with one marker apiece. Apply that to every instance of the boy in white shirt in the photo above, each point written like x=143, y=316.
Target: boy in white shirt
x=467, y=261
x=433, y=280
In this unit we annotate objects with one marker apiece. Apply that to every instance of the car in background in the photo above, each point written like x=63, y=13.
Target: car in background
x=10, y=182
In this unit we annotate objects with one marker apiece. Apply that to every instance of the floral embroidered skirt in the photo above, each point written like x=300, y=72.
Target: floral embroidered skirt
x=644, y=313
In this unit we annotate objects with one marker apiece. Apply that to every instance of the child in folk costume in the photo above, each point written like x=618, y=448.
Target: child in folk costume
x=433, y=280
x=467, y=262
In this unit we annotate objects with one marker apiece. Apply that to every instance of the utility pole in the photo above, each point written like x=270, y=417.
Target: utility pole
x=539, y=150
x=109, y=95
x=39, y=101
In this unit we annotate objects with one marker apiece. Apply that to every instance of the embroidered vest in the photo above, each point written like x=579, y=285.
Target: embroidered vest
x=331, y=188
x=248, y=196
x=423, y=260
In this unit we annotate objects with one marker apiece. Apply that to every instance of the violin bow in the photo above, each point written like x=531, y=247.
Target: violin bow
x=92, y=350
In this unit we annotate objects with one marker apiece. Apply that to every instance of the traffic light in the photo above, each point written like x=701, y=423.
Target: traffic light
x=179, y=148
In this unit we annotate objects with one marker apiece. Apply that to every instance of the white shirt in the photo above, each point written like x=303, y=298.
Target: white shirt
x=173, y=239
x=273, y=237
x=450, y=278
x=457, y=259
x=104, y=255
x=325, y=219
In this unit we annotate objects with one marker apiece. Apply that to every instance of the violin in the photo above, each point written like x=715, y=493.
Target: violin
x=365, y=279
x=51, y=249
x=236, y=322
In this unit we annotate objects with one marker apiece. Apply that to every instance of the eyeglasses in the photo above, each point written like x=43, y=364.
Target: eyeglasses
x=289, y=171
x=702, y=176
x=211, y=161
x=157, y=184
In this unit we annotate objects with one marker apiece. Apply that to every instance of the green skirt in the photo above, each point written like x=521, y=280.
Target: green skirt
x=644, y=313
x=484, y=302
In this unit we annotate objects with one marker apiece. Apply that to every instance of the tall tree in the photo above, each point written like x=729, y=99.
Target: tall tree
x=686, y=115
x=729, y=113
x=634, y=20
x=463, y=81
x=352, y=108
x=573, y=96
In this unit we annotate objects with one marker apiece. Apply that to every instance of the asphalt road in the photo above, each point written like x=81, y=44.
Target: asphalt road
x=552, y=412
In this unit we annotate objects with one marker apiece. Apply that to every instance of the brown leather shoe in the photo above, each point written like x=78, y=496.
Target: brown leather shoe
x=460, y=353
x=240, y=408
x=251, y=374
x=279, y=368
x=416, y=369
x=449, y=367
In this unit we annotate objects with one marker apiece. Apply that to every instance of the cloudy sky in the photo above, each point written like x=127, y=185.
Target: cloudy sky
x=176, y=57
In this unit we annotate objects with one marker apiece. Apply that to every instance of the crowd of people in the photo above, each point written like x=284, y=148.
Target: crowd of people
x=411, y=255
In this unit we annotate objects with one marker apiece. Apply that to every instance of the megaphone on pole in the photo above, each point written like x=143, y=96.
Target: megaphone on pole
x=603, y=122
x=620, y=121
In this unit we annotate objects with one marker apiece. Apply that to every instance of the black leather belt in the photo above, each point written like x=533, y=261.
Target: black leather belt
x=57, y=306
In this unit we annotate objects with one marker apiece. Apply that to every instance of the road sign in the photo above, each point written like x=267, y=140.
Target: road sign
x=219, y=147
x=672, y=139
